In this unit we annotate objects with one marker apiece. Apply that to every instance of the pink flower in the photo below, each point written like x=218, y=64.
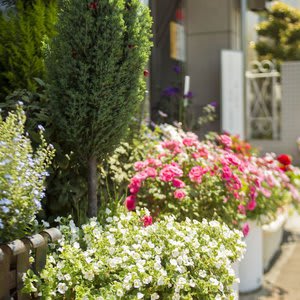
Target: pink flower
x=130, y=202
x=152, y=162
x=232, y=159
x=135, y=185
x=143, y=175
x=242, y=209
x=226, y=173
x=225, y=140
x=151, y=172
x=173, y=146
x=267, y=193
x=203, y=152
x=196, y=155
x=139, y=165
x=251, y=205
x=196, y=174
x=179, y=194
x=169, y=172
x=178, y=183
x=189, y=142
x=147, y=221
x=245, y=229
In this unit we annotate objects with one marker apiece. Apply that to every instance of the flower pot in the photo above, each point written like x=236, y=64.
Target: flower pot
x=251, y=267
x=235, y=267
x=272, y=237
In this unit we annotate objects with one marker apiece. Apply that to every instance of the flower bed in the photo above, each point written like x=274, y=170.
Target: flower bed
x=130, y=258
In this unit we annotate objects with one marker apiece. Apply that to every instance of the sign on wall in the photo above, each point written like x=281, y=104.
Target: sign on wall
x=177, y=41
x=233, y=112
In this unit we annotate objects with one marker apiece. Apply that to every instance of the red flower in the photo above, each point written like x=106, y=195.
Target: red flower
x=284, y=159
x=147, y=221
x=146, y=73
x=93, y=5
x=130, y=202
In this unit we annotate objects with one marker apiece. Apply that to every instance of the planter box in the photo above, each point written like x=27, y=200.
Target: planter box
x=272, y=237
x=251, y=267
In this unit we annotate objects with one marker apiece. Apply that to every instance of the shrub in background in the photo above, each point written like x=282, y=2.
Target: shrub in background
x=22, y=176
x=96, y=77
x=279, y=34
x=24, y=30
x=131, y=258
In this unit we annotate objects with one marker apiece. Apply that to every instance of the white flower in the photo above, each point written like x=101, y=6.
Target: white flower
x=154, y=296
x=176, y=296
x=214, y=223
x=202, y=273
x=76, y=245
x=67, y=277
x=147, y=280
x=213, y=281
x=120, y=293
x=45, y=224
x=62, y=288
x=181, y=281
x=109, y=220
x=160, y=281
x=137, y=283
x=175, y=253
x=192, y=283
x=111, y=239
x=173, y=262
x=140, y=295
x=107, y=211
x=89, y=275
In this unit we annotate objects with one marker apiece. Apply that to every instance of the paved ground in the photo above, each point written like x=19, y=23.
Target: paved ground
x=282, y=281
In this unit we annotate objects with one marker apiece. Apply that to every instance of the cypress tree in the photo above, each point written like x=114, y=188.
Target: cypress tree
x=95, y=74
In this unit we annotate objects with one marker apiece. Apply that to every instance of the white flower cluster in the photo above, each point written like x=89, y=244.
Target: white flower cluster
x=124, y=260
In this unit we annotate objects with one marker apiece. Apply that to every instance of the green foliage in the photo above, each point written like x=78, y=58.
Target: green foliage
x=22, y=175
x=24, y=30
x=118, y=168
x=279, y=34
x=96, y=75
x=129, y=258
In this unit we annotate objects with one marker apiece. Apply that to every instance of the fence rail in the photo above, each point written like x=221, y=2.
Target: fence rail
x=14, y=261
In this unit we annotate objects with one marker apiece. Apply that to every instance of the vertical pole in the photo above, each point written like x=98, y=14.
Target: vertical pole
x=244, y=51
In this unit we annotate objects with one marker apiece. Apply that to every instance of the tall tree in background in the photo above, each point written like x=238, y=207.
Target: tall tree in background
x=95, y=71
x=24, y=30
x=279, y=34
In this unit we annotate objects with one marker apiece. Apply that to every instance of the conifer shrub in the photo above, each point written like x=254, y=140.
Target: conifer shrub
x=24, y=32
x=279, y=34
x=95, y=71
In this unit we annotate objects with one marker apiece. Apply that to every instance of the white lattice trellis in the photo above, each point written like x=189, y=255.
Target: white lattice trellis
x=263, y=101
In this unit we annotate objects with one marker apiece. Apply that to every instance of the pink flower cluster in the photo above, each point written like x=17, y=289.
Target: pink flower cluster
x=171, y=179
